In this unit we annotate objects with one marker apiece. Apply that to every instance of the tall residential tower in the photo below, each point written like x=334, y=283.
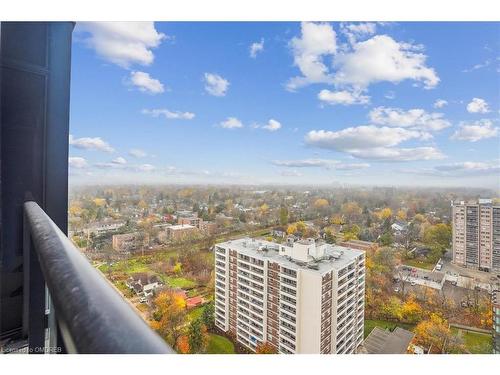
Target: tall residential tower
x=476, y=235
x=300, y=297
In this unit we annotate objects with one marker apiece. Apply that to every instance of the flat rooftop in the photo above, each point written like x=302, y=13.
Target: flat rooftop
x=181, y=226
x=336, y=257
x=381, y=341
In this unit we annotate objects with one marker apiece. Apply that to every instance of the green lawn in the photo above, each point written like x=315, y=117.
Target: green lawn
x=420, y=263
x=179, y=282
x=370, y=324
x=195, y=313
x=219, y=345
x=476, y=343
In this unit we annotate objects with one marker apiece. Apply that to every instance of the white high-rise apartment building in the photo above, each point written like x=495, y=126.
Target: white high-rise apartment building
x=300, y=297
x=476, y=235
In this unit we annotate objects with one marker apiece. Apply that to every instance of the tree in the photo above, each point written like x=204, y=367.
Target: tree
x=329, y=236
x=401, y=215
x=321, y=203
x=385, y=213
x=386, y=239
x=351, y=232
x=435, y=334
x=169, y=315
x=408, y=236
x=438, y=238
x=283, y=215
x=265, y=348
x=207, y=316
x=301, y=227
x=351, y=212
x=264, y=209
x=291, y=229
x=183, y=345
x=336, y=219
x=392, y=309
x=197, y=336
x=411, y=311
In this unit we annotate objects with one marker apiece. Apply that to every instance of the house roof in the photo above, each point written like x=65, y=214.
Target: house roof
x=194, y=301
x=381, y=341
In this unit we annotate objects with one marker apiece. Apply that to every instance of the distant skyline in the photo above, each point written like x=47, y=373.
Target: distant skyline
x=387, y=104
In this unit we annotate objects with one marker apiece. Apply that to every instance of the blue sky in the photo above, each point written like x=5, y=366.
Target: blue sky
x=286, y=103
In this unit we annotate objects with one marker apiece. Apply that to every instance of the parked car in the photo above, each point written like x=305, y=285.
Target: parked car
x=143, y=300
x=396, y=289
x=413, y=283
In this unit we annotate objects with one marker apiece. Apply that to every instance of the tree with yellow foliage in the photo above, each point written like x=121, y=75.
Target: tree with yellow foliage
x=264, y=209
x=321, y=203
x=301, y=227
x=401, y=215
x=291, y=229
x=411, y=311
x=99, y=202
x=169, y=315
x=435, y=334
x=385, y=213
x=336, y=219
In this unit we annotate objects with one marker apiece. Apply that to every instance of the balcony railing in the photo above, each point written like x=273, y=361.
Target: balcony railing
x=86, y=312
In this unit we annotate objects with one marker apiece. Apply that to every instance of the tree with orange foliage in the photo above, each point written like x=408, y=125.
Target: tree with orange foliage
x=169, y=316
x=265, y=348
x=183, y=345
x=435, y=334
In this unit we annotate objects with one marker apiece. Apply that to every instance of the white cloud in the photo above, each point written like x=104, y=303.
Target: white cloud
x=272, y=125
x=231, y=123
x=484, y=64
x=137, y=153
x=440, y=103
x=90, y=144
x=256, y=48
x=359, y=64
x=146, y=167
x=145, y=83
x=478, y=105
x=77, y=162
x=317, y=41
x=172, y=115
x=381, y=58
x=323, y=163
x=372, y=142
x=122, y=43
x=361, y=137
x=354, y=31
x=413, y=118
x=475, y=131
x=342, y=97
x=461, y=169
x=216, y=85
x=398, y=154
x=119, y=160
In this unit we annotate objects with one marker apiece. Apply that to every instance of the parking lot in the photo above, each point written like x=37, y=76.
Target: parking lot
x=417, y=276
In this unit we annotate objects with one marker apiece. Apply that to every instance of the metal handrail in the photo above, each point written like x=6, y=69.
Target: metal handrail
x=91, y=315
